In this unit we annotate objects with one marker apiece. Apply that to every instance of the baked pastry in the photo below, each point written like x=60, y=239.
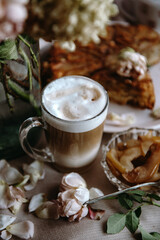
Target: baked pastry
x=99, y=61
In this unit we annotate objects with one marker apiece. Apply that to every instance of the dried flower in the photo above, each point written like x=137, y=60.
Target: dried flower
x=71, y=201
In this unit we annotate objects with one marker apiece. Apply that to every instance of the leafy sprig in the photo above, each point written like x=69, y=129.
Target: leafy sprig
x=133, y=201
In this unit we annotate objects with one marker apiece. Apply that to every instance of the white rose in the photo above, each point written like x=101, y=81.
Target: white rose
x=71, y=202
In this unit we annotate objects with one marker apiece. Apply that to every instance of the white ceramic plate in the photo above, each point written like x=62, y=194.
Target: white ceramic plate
x=143, y=118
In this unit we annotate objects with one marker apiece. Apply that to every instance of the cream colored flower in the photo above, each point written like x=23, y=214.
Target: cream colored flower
x=72, y=200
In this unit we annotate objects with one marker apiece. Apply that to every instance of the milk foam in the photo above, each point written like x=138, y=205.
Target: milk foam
x=71, y=101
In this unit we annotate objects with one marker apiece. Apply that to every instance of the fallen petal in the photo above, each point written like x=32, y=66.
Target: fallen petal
x=95, y=214
x=36, y=201
x=5, y=235
x=9, y=174
x=6, y=220
x=36, y=172
x=24, y=230
x=16, y=207
x=95, y=192
x=19, y=196
x=24, y=181
x=6, y=200
x=48, y=210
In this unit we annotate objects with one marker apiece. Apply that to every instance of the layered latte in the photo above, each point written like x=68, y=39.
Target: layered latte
x=74, y=109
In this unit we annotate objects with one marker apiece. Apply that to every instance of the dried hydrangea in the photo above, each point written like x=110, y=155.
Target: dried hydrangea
x=68, y=20
x=13, y=13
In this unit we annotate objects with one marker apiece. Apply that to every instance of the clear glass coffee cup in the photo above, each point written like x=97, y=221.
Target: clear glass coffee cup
x=74, y=109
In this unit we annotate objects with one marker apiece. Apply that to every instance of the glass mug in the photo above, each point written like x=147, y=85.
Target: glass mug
x=74, y=109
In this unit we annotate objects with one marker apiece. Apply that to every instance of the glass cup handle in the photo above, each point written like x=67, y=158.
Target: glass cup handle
x=39, y=154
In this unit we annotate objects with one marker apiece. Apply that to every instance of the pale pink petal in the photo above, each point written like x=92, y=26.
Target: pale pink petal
x=95, y=192
x=5, y=235
x=6, y=199
x=95, y=214
x=72, y=180
x=36, y=172
x=36, y=201
x=48, y=210
x=9, y=174
x=6, y=220
x=24, y=230
x=81, y=214
x=81, y=194
x=71, y=207
x=19, y=196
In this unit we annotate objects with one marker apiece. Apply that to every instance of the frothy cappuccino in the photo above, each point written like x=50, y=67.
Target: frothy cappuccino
x=74, y=99
x=74, y=109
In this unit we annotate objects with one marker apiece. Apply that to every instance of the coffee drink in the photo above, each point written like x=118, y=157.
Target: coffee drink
x=74, y=109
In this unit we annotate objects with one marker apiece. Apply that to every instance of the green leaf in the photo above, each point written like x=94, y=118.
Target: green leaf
x=156, y=235
x=154, y=196
x=132, y=221
x=137, y=198
x=116, y=223
x=18, y=90
x=138, y=212
x=8, y=50
x=125, y=201
x=137, y=192
x=146, y=235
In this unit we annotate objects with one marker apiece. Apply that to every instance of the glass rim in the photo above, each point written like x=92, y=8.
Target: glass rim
x=76, y=121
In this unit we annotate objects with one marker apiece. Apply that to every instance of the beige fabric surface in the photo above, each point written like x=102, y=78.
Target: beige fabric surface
x=86, y=229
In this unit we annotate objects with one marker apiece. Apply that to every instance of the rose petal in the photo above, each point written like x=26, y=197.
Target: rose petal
x=81, y=194
x=19, y=196
x=48, y=210
x=81, y=214
x=16, y=207
x=9, y=174
x=24, y=181
x=36, y=172
x=72, y=180
x=95, y=192
x=36, y=201
x=6, y=200
x=5, y=235
x=95, y=214
x=24, y=230
x=71, y=207
x=66, y=195
x=6, y=220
